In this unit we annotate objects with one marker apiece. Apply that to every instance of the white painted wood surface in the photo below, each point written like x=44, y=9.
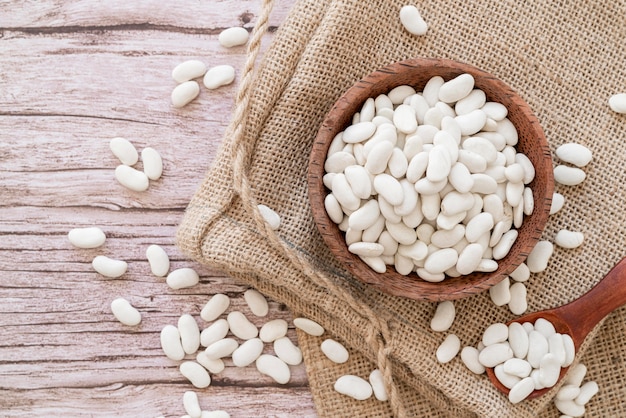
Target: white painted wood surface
x=74, y=74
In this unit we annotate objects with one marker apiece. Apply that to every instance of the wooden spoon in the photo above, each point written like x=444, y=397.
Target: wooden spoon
x=580, y=316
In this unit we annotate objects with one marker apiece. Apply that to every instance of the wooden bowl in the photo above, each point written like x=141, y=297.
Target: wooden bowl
x=532, y=142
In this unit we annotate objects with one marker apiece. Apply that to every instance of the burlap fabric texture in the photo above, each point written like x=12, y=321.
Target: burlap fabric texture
x=564, y=58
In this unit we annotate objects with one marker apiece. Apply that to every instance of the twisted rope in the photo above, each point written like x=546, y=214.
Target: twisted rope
x=379, y=334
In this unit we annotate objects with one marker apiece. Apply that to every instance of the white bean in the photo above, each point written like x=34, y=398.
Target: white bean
x=184, y=93
x=191, y=404
x=557, y=203
x=537, y=348
x=518, y=340
x=90, y=237
x=273, y=367
x=568, y=176
x=398, y=94
x=216, y=306
x=354, y=387
x=125, y=312
x=617, y=103
x=196, y=374
x=469, y=356
x=109, y=267
x=569, y=407
x=537, y=260
x=171, y=344
x=549, y=370
x=521, y=273
x=587, y=391
x=517, y=367
x=287, y=351
x=188, y=70
x=240, y=326
x=270, y=216
x=152, y=163
x=273, y=330
x=499, y=293
x=518, y=303
x=506, y=379
x=495, y=333
x=377, y=381
x=576, y=154
x=247, y=352
x=495, y=354
x=568, y=393
x=124, y=150
x=521, y=390
x=221, y=348
x=335, y=351
x=457, y=88
x=448, y=349
x=412, y=21
x=256, y=302
x=131, y=178
x=189, y=333
x=444, y=316
x=576, y=375
x=234, y=36
x=441, y=260
x=218, y=76
x=212, y=365
x=182, y=278
x=214, y=332
x=569, y=239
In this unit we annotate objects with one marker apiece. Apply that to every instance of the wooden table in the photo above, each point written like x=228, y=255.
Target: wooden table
x=73, y=75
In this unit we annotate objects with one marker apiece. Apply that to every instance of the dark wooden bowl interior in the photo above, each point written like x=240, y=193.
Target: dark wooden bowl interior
x=532, y=142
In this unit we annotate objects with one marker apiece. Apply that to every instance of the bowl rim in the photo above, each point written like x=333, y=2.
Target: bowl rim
x=411, y=286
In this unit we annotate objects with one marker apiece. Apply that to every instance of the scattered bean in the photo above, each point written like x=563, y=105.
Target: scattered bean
x=287, y=351
x=90, y=237
x=354, y=387
x=192, y=404
x=124, y=150
x=444, y=316
x=218, y=76
x=308, y=326
x=335, y=351
x=216, y=306
x=196, y=374
x=152, y=163
x=270, y=216
x=569, y=239
x=247, y=352
x=617, y=103
x=109, y=267
x=188, y=70
x=412, y=21
x=273, y=367
x=234, y=36
x=158, y=260
x=184, y=93
x=576, y=154
x=256, y=302
x=189, y=333
x=125, y=312
x=240, y=326
x=131, y=178
x=448, y=349
x=568, y=176
x=182, y=278
x=221, y=348
x=273, y=330
x=171, y=344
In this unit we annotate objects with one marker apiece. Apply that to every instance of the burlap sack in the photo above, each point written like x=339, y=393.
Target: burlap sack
x=564, y=58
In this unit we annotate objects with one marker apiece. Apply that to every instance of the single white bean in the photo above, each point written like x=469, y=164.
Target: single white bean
x=568, y=392
x=557, y=203
x=412, y=21
x=518, y=303
x=212, y=365
x=549, y=370
x=196, y=374
x=518, y=340
x=188, y=70
x=189, y=333
x=131, y=178
x=569, y=407
x=335, y=351
x=537, y=260
x=517, y=367
x=309, y=326
x=457, y=88
x=184, y=93
x=216, y=306
x=469, y=356
x=521, y=390
x=576, y=375
x=444, y=316
x=90, y=237
x=270, y=216
x=273, y=367
x=617, y=103
x=569, y=239
x=214, y=332
x=273, y=330
x=495, y=333
x=234, y=36
x=570, y=350
x=124, y=150
x=287, y=351
x=182, y=278
x=568, y=176
x=218, y=76
x=441, y=260
x=192, y=404
x=152, y=163
x=470, y=258
x=354, y=387
x=499, y=293
x=158, y=260
x=495, y=354
x=448, y=349
x=537, y=348
x=221, y=348
x=125, y=312
x=377, y=381
x=240, y=326
x=109, y=267
x=506, y=379
x=171, y=344
x=587, y=391
x=399, y=94
x=256, y=302
x=247, y=352
x=576, y=154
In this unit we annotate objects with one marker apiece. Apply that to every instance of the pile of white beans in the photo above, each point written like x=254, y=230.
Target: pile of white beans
x=217, y=76
x=429, y=182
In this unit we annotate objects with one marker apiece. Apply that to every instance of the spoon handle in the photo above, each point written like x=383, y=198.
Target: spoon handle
x=584, y=313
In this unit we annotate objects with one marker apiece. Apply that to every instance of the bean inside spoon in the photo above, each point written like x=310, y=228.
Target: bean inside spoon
x=580, y=316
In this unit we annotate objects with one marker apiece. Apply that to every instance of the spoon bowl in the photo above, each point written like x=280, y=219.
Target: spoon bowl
x=579, y=317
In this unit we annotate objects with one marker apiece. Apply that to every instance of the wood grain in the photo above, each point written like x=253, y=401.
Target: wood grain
x=74, y=74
